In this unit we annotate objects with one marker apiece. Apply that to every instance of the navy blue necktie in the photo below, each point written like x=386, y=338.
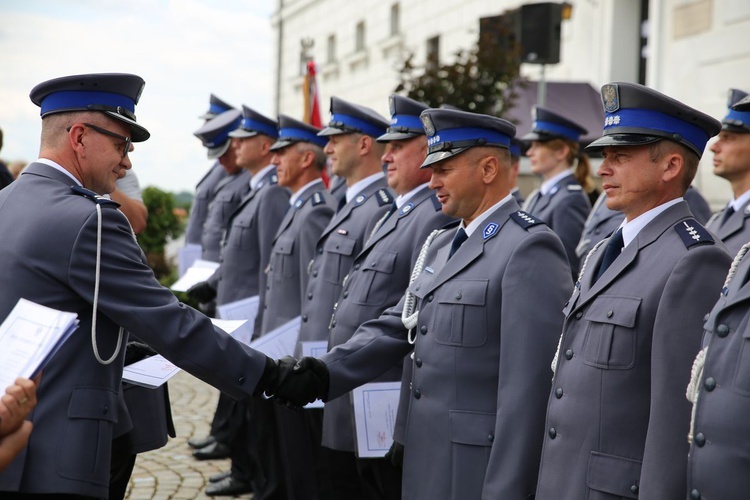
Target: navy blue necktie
x=727, y=214
x=458, y=240
x=342, y=202
x=611, y=252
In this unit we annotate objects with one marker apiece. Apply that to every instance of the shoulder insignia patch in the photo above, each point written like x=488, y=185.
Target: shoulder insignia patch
x=317, y=198
x=359, y=200
x=299, y=203
x=384, y=197
x=405, y=209
x=490, y=230
x=96, y=198
x=436, y=203
x=575, y=187
x=274, y=179
x=525, y=220
x=692, y=233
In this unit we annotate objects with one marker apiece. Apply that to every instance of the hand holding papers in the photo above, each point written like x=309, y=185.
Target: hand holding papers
x=375, y=407
x=30, y=336
x=200, y=271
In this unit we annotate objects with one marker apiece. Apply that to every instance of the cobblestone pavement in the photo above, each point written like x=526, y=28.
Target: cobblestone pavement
x=172, y=472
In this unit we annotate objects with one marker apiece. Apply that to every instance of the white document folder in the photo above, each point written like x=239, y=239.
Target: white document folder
x=375, y=408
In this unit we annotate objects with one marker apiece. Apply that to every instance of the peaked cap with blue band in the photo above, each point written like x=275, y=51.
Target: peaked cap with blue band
x=348, y=118
x=292, y=131
x=736, y=121
x=215, y=107
x=114, y=94
x=405, y=122
x=450, y=132
x=515, y=148
x=636, y=115
x=254, y=123
x=214, y=134
x=742, y=105
x=549, y=125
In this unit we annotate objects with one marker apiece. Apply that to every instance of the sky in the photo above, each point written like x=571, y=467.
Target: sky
x=185, y=50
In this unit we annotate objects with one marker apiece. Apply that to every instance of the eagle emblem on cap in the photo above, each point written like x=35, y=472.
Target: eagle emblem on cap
x=392, y=104
x=611, y=97
x=429, y=128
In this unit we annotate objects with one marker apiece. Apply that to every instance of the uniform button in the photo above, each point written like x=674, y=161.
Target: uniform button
x=270, y=268
x=333, y=324
x=265, y=306
x=458, y=296
x=310, y=295
x=417, y=394
x=634, y=489
x=710, y=384
x=722, y=330
x=695, y=495
x=579, y=315
x=700, y=439
x=304, y=318
x=705, y=318
x=558, y=392
x=490, y=438
x=315, y=273
x=610, y=314
x=374, y=263
x=346, y=294
x=320, y=251
x=569, y=354
x=423, y=329
x=430, y=298
x=105, y=410
x=357, y=266
x=241, y=380
x=552, y=433
x=418, y=287
x=418, y=362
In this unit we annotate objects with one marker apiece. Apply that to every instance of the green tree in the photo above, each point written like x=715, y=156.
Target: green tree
x=480, y=79
x=163, y=225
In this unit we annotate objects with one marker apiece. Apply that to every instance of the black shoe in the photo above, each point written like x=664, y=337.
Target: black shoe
x=229, y=487
x=201, y=442
x=219, y=477
x=212, y=451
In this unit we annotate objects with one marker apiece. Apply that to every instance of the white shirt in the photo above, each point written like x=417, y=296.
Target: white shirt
x=631, y=229
x=739, y=202
x=474, y=225
x=255, y=179
x=549, y=184
x=402, y=199
x=356, y=188
x=295, y=196
x=57, y=166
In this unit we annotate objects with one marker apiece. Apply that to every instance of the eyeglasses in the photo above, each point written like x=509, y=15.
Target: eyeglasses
x=127, y=140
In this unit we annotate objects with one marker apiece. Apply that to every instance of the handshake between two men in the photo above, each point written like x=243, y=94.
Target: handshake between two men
x=294, y=383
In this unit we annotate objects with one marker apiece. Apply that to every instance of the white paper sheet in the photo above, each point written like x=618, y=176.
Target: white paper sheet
x=186, y=257
x=30, y=336
x=200, y=271
x=240, y=309
x=375, y=407
x=280, y=341
x=240, y=329
x=151, y=372
x=315, y=349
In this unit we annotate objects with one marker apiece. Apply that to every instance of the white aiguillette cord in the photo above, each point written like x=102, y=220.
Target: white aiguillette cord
x=96, y=295
x=409, y=315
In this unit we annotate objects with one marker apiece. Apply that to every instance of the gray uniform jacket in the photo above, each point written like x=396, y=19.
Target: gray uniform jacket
x=246, y=250
x=50, y=259
x=735, y=231
x=293, y=248
x=564, y=208
x=486, y=332
x=719, y=455
x=600, y=223
x=340, y=243
x=204, y=195
x=228, y=194
x=377, y=280
x=617, y=417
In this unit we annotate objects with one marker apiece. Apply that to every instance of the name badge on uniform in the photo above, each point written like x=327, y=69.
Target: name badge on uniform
x=342, y=231
x=428, y=269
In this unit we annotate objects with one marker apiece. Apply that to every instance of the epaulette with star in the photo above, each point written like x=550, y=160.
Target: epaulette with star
x=693, y=234
x=525, y=220
x=384, y=197
x=96, y=198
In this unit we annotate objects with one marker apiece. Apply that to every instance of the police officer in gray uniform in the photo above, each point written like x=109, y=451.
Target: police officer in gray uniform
x=300, y=160
x=355, y=156
x=228, y=192
x=720, y=382
x=472, y=316
x=95, y=268
x=560, y=201
x=204, y=191
x=617, y=416
x=732, y=162
x=381, y=273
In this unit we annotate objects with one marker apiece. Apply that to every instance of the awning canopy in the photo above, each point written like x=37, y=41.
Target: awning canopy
x=577, y=101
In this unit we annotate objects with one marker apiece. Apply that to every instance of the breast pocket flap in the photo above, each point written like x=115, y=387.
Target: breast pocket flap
x=284, y=246
x=340, y=244
x=466, y=292
x=620, y=311
x=382, y=262
x=472, y=428
x=93, y=403
x=615, y=475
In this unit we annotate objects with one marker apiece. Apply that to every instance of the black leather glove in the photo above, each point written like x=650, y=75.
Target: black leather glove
x=202, y=292
x=136, y=351
x=269, y=379
x=301, y=382
x=396, y=454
